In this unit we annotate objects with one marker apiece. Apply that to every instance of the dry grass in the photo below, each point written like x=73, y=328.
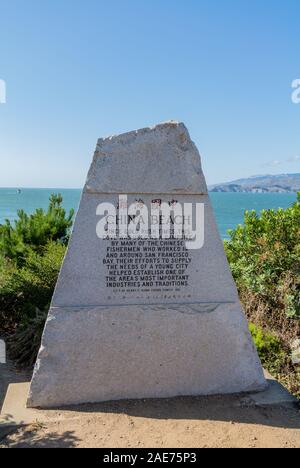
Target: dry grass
x=275, y=321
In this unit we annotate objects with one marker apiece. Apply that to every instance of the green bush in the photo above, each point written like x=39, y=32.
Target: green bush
x=31, y=254
x=264, y=255
x=276, y=358
x=33, y=232
x=24, y=289
x=269, y=347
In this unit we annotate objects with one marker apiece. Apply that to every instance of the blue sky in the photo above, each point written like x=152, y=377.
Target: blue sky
x=76, y=70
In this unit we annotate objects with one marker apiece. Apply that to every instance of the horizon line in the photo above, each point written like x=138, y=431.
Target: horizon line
x=15, y=187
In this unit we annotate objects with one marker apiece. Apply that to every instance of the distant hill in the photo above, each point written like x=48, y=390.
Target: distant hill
x=281, y=183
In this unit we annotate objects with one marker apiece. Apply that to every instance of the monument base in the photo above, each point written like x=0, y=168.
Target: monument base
x=156, y=351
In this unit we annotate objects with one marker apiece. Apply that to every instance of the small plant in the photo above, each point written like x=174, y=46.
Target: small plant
x=24, y=344
x=269, y=348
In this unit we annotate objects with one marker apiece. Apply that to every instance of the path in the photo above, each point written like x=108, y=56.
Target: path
x=227, y=421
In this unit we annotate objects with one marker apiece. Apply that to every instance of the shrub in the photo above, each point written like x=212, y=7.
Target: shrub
x=29, y=287
x=276, y=358
x=33, y=232
x=264, y=255
x=24, y=344
x=31, y=253
x=269, y=348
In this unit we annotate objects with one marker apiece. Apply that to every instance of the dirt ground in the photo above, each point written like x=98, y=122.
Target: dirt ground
x=171, y=423
x=175, y=423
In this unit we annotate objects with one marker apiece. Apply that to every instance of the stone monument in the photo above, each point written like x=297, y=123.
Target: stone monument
x=144, y=317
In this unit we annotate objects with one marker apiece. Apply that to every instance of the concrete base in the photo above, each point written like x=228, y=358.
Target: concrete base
x=14, y=409
x=15, y=414
x=275, y=395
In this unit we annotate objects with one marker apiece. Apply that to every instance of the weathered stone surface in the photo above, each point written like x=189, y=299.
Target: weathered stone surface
x=161, y=159
x=210, y=279
x=177, y=329
x=111, y=353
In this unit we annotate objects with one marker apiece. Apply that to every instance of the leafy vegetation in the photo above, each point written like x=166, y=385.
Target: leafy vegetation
x=26, y=288
x=269, y=348
x=25, y=342
x=31, y=253
x=33, y=232
x=264, y=255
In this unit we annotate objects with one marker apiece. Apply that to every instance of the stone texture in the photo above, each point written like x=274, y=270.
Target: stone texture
x=104, y=342
x=210, y=277
x=128, y=352
x=161, y=159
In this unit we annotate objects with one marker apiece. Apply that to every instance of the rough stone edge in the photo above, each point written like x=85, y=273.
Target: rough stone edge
x=142, y=131
x=126, y=137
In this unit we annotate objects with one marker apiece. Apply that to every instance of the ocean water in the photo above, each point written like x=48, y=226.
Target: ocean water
x=229, y=208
